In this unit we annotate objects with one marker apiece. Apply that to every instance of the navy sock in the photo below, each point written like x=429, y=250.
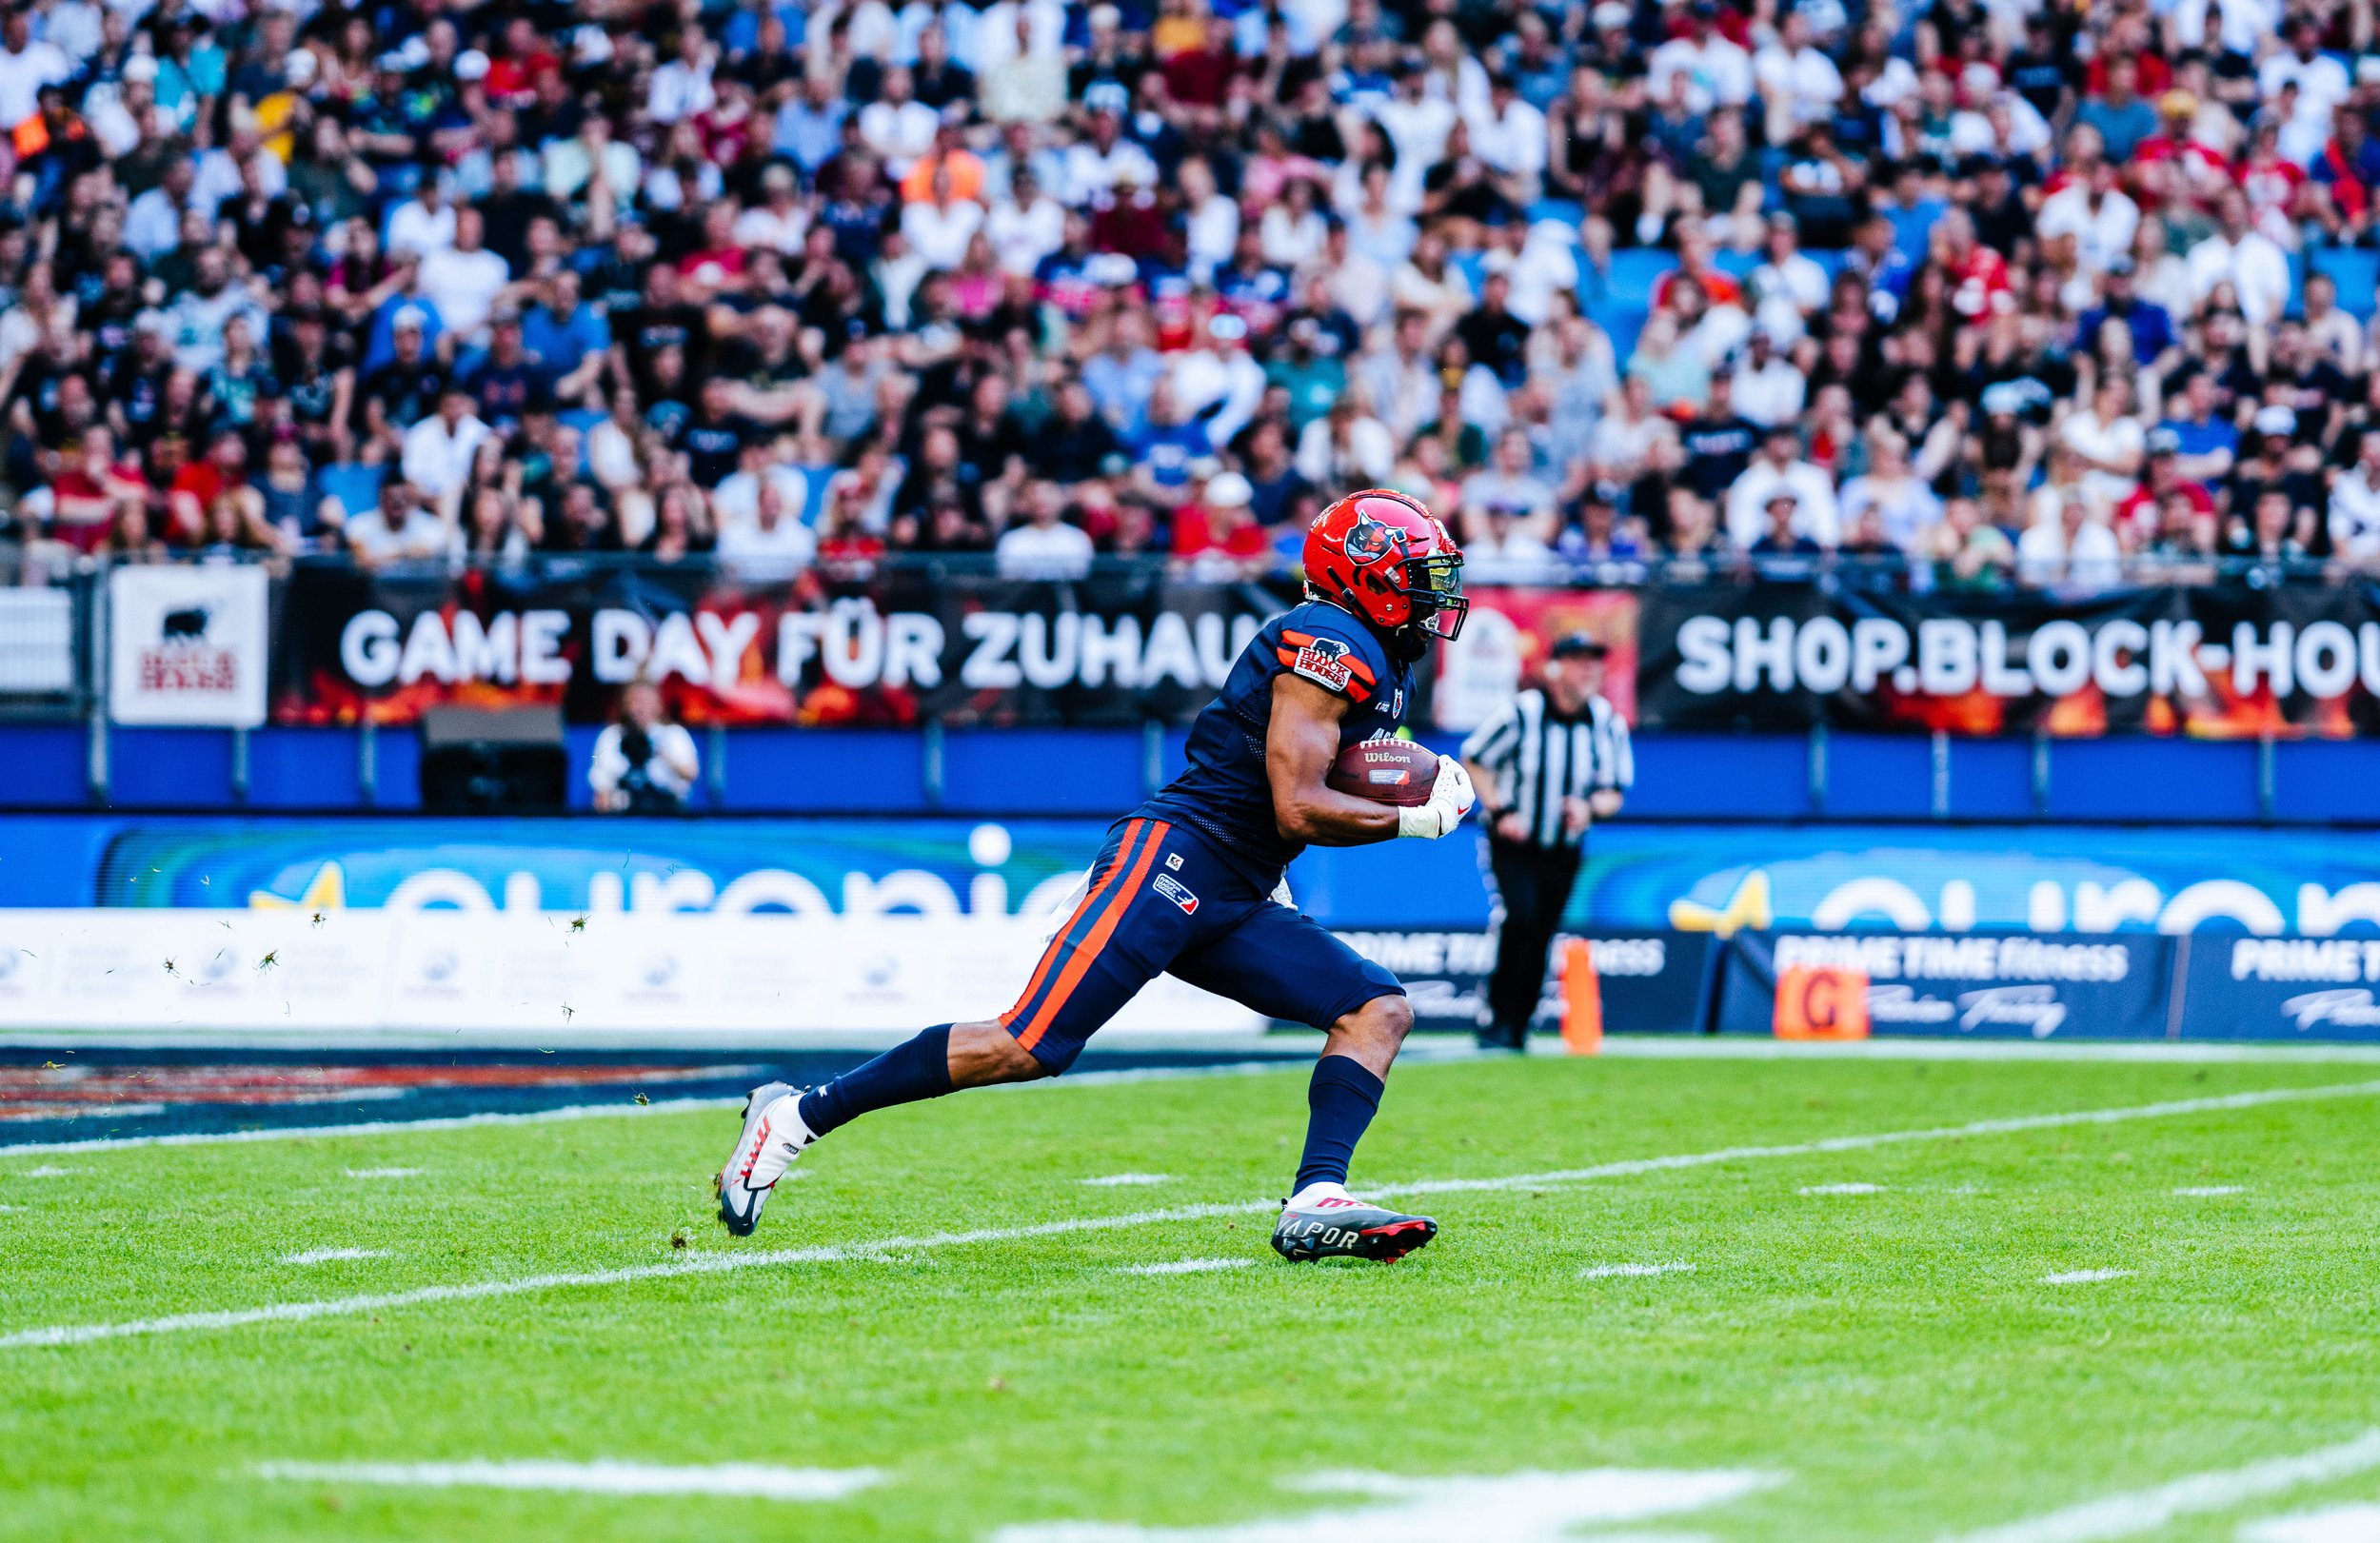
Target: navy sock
x=916, y=1069
x=1342, y=1099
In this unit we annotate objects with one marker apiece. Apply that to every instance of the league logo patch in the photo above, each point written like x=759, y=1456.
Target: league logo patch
x=1176, y=891
x=1324, y=661
x=1172, y=860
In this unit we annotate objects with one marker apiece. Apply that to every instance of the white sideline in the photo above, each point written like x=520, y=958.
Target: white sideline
x=2332, y=1524
x=1613, y=1271
x=1185, y=1267
x=78, y=1334
x=594, y=1479
x=333, y=1255
x=2145, y=1511
x=2084, y=1278
x=1840, y=1189
x=595, y=1111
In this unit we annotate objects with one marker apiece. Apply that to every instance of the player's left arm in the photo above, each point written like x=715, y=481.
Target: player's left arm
x=1300, y=743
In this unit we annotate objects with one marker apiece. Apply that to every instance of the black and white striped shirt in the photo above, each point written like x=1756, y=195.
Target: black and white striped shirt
x=1540, y=758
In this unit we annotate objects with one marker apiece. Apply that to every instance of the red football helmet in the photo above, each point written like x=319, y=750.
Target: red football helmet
x=1384, y=556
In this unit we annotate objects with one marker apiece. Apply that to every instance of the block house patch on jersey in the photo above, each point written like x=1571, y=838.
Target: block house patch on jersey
x=1176, y=891
x=1325, y=660
x=1328, y=663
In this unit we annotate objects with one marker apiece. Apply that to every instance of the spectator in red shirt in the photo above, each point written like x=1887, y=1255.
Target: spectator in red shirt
x=1217, y=530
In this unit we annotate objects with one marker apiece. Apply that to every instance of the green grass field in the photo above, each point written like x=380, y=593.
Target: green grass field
x=1878, y=1364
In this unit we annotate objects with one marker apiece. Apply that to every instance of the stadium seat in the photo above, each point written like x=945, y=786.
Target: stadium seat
x=356, y=487
x=2357, y=271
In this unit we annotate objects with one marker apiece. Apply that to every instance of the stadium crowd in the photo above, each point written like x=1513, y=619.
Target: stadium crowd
x=1985, y=294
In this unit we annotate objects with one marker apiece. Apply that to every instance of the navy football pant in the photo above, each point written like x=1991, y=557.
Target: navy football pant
x=1162, y=901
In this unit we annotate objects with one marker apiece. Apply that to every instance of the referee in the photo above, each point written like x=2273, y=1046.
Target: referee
x=1549, y=764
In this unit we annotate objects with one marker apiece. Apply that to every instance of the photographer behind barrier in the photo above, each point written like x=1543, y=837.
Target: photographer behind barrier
x=643, y=764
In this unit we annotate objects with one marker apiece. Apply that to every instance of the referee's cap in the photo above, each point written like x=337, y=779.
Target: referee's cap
x=1579, y=646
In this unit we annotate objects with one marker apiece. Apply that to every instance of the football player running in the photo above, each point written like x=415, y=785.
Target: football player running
x=1187, y=885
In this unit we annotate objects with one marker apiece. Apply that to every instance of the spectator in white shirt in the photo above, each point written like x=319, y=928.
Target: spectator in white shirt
x=397, y=530
x=1417, y=125
x=464, y=280
x=2072, y=553
x=1211, y=221
x=1026, y=226
x=778, y=222
x=898, y=127
x=1799, y=83
x=2355, y=506
x=1509, y=134
x=2108, y=441
x=1718, y=71
x=424, y=223
x=438, y=450
x=773, y=546
x=1769, y=390
x=2255, y=269
x=1097, y=165
x=642, y=763
x=2321, y=81
x=682, y=88
x=2095, y=215
x=938, y=228
x=1044, y=547
x=1779, y=466
x=26, y=66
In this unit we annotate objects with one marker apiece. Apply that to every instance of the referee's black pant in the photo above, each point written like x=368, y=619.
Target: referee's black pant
x=1533, y=889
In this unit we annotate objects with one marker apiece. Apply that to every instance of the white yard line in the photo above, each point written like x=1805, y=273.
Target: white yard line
x=2084, y=1277
x=759, y=1479
x=1840, y=1189
x=2146, y=1510
x=1185, y=1267
x=1885, y=1139
x=2202, y=1192
x=329, y=1256
x=383, y=1172
x=1758, y=1047
x=1126, y=1180
x=2332, y=1524
x=1613, y=1271
x=713, y=1263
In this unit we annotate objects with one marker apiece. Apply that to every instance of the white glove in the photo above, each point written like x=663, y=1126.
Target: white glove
x=1450, y=797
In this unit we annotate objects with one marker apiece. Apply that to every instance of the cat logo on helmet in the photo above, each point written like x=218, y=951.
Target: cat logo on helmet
x=1367, y=540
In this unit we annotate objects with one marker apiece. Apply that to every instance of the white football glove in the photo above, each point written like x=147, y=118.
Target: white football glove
x=1450, y=797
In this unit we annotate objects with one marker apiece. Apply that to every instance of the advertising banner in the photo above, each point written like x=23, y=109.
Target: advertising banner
x=188, y=645
x=1639, y=877
x=1651, y=982
x=1508, y=635
x=36, y=641
x=2281, y=988
x=2228, y=662
x=660, y=976
x=1962, y=984
x=900, y=647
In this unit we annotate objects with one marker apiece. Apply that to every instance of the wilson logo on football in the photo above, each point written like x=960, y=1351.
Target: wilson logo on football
x=1176, y=891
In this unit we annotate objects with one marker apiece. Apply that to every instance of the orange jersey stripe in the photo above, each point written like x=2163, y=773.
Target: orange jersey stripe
x=1080, y=966
x=1057, y=939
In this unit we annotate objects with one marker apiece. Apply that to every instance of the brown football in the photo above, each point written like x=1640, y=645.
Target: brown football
x=1386, y=771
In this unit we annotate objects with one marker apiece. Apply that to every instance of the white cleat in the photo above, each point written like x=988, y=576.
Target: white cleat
x=773, y=1137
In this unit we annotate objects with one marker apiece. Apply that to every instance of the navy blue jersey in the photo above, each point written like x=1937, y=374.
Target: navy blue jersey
x=1224, y=793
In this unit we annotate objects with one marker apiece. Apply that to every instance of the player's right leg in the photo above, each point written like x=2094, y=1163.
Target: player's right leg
x=1119, y=937
x=1286, y=965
